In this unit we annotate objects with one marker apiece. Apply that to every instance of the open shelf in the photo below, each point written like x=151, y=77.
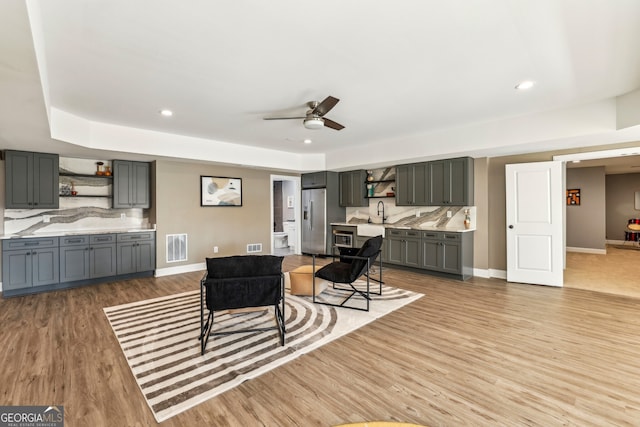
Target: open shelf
x=379, y=181
x=83, y=175
x=83, y=195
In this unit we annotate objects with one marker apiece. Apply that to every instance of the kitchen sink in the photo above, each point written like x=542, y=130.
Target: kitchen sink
x=371, y=230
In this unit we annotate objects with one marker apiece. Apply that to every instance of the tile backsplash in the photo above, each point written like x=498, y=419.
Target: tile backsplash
x=77, y=214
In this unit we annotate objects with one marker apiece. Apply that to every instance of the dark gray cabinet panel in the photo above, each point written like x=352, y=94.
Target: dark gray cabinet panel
x=403, y=247
x=31, y=180
x=130, y=184
x=448, y=252
x=136, y=252
x=314, y=180
x=74, y=258
x=450, y=182
x=102, y=255
x=28, y=263
x=353, y=189
x=87, y=257
x=411, y=184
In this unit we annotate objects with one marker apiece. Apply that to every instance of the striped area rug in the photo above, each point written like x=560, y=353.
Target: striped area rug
x=159, y=338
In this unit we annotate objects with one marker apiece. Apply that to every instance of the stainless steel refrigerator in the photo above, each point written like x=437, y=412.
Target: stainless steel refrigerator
x=320, y=208
x=314, y=221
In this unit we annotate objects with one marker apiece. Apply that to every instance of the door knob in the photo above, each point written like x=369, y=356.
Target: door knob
x=510, y=226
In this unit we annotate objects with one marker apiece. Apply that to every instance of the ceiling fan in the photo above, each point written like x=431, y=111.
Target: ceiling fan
x=314, y=119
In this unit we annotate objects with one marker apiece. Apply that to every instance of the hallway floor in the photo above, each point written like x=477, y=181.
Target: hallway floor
x=617, y=272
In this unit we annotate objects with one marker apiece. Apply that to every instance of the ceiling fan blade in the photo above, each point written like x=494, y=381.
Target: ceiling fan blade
x=331, y=124
x=325, y=106
x=283, y=118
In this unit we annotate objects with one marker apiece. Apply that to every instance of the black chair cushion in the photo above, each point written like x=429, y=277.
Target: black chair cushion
x=243, y=266
x=225, y=294
x=349, y=271
x=243, y=281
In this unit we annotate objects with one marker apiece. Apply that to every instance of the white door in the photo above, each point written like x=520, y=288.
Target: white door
x=535, y=234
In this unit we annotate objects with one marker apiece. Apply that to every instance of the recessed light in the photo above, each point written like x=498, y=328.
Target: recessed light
x=527, y=84
x=575, y=161
x=307, y=141
x=166, y=113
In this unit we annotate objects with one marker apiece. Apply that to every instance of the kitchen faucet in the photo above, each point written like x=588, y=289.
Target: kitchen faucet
x=383, y=217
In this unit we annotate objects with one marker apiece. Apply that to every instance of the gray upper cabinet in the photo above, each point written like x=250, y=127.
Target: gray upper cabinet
x=130, y=184
x=411, y=185
x=450, y=182
x=352, y=189
x=31, y=180
x=314, y=180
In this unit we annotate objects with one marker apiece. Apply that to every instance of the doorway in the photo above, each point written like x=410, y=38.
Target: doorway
x=598, y=257
x=285, y=215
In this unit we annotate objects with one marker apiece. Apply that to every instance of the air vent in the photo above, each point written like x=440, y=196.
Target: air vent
x=176, y=247
x=254, y=247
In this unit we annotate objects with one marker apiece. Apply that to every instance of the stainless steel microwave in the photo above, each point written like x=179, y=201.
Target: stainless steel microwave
x=342, y=239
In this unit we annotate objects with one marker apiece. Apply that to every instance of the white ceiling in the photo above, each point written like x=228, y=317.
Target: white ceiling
x=416, y=79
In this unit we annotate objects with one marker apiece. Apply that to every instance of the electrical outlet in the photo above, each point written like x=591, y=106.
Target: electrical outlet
x=215, y=249
x=417, y=213
x=123, y=216
x=448, y=214
x=46, y=218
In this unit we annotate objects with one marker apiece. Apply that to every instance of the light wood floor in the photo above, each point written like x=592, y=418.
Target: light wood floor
x=476, y=353
x=617, y=272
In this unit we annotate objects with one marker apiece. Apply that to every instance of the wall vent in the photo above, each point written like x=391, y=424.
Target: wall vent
x=254, y=247
x=176, y=247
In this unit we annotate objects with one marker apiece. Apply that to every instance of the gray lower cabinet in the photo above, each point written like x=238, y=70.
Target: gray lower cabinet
x=87, y=257
x=448, y=252
x=403, y=247
x=136, y=252
x=29, y=263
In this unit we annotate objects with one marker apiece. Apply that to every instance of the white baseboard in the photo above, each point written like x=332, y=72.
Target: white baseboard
x=180, y=269
x=587, y=250
x=617, y=242
x=481, y=272
x=498, y=274
x=489, y=273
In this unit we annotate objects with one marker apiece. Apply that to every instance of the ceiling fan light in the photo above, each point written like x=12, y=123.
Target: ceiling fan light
x=313, y=123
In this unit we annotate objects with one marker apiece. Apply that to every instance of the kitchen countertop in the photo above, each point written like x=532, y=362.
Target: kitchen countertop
x=404, y=227
x=74, y=233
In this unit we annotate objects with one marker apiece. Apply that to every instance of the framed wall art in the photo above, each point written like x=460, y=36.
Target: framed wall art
x=573, y=197
x=220, y=191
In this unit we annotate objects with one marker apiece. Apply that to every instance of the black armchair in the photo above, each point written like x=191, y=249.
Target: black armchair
x=241, y=282
x=352, y=263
